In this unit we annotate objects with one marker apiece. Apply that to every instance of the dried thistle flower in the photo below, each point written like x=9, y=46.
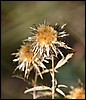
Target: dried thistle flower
x=47, y=39
x=77, y=92
x=45, y=43
x=27, y=61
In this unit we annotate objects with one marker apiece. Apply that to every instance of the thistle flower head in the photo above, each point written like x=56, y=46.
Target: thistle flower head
x=47, y=39
x=46, y=35
x=76, y=93
x=25, y=53
x=27, y=61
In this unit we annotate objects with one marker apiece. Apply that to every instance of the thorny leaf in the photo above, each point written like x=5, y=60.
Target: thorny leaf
x=62, y=86
x=45, y=71
x=38, y=88
x=63, y=60
x=60, y=91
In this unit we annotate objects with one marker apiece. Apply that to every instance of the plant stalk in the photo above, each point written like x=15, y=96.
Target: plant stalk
x=35, y=80
x=53, y=85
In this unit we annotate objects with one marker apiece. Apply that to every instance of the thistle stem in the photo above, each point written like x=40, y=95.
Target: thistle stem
x=53, y=87
x=35, y=80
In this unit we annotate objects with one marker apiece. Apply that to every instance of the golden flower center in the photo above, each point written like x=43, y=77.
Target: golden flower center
x=46, y=35
x=25, y=53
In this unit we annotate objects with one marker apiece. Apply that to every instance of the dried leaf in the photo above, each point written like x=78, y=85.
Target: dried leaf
x=45, y=71
x=60, y=91
x=62, y=86
x=37, y=88
x=63, y=60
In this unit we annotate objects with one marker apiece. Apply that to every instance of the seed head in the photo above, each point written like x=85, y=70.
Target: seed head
x=27, y=61
x=77, y=93
x=25, y=53
x=46, y=35
x=47, y=39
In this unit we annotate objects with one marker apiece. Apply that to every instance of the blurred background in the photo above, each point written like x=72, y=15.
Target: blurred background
x=17, y=17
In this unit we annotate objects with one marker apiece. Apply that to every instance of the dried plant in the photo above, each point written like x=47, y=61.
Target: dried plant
x=76, y=92
x=43, y=46
x=27, y=61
